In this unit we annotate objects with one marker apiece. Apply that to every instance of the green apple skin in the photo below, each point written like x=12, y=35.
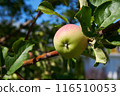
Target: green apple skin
x=69, y=41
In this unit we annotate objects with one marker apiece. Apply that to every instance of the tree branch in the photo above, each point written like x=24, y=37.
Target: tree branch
x=30, y=29
x=41, y=57
x=19, y=75
x=2, y=76
x=34, y=60
x=2, y=39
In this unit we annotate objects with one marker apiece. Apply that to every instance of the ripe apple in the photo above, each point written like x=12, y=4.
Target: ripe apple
x=69, y=41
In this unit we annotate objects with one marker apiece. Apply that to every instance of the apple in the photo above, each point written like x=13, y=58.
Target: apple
x=69, y=41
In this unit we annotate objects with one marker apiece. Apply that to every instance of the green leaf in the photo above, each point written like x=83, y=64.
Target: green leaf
x=15, y=62
x=107, y=44
x=113, y=43
x=1, y=61
x=17, y=44
x=4, y=51
x=100, y=55
x=116, y=43
x=107, y=13
x=47, y=8
x=98, y=2
x=119, y=30
x=74, y=60
x=84, y=17
x=3, y=54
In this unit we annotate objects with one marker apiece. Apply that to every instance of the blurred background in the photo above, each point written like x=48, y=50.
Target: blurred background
x=15, y=19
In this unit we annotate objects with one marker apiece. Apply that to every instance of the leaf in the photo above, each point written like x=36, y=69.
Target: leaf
x=107, y=13
x=47, y=8
x=107, y=44
x=100, y=55
x=98, y=2
x=116, y=43
x=16, y=45
x=1, y=61
x=3, y=54
x=15, y=62
x=74, y=60
x=112, y=41
x=4, y=51
x=84, y=17
x=119, y=30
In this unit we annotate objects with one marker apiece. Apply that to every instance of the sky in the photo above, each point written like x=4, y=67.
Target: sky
x=44, y=17
x=34, y=4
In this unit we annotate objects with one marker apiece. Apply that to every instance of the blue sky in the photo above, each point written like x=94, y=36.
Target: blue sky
x=34, y=3
x=52, y=18
x=44, y=17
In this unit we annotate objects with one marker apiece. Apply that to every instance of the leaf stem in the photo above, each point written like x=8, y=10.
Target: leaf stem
x=61, y=17
x=19, y=76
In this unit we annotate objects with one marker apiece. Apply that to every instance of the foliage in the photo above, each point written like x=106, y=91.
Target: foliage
x=91, y=28
x=94, y=20
x=13, y=8
x=21, y=50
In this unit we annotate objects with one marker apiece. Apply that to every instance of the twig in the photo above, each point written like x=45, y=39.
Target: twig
x=2, y=76
x=41, y=57
x=19, y=75
x=30, y=29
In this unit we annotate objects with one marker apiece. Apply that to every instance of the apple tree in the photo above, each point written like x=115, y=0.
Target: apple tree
x=97, y=34
x=96, y=18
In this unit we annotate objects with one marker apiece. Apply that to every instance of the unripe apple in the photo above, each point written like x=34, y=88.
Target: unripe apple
x=69, y=41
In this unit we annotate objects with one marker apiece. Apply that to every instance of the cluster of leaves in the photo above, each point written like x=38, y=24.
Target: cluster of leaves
x=14, y=60
x=94, y=18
